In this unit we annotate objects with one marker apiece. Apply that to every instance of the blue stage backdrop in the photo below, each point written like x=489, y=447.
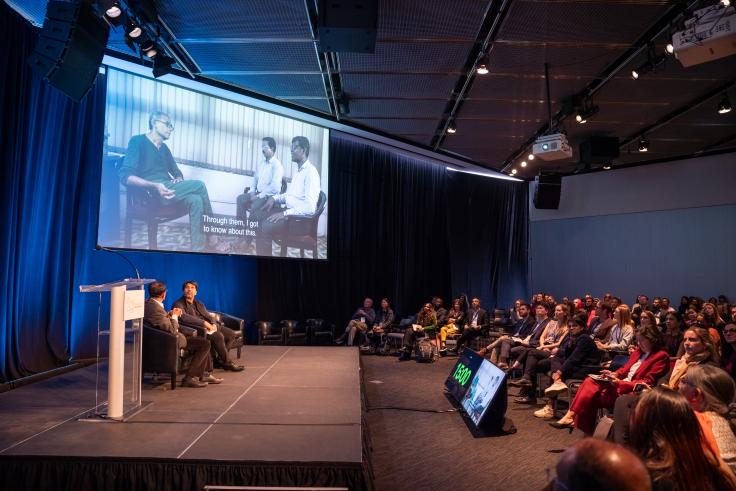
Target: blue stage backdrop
x=51, y=154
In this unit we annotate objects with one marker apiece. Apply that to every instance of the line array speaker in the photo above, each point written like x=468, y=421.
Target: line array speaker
x=347, y=25
x=70, y=47
x=547, y=193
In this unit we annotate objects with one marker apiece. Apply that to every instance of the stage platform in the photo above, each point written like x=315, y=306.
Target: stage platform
x=294, y=417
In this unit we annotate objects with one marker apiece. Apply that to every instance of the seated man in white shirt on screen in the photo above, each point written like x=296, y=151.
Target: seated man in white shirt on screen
x=299, y=200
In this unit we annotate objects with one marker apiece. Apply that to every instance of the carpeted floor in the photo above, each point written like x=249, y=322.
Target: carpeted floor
x=425, y=450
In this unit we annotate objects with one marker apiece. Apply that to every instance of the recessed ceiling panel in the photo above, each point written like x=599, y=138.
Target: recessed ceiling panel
x=227, y=19
x=581, y=21
x=430, y=19
x=401, y=126
x=409, y=86
x=409, y=57
x=372, y=108
x=519, y=58
x=281, y=86
x=258, y=57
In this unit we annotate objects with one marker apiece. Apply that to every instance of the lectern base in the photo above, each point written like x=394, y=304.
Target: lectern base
x=100, y=415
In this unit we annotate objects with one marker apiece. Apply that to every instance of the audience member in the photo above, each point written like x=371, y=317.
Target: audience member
x=647, y=364
x=666, y=435
x=475, y=319
x=684, y=305
x=620, y=334
x=711, y=317
x=673, y=331
x=455, y=318
x=698, y=348
x=514, y=317
x=600, y=324
x=641, y=305
x=195, y=314
x=359, y=322
x=382, y=322
x=575, y=359
x=550, y=340
x=426, y=325
x=439, y=311
x=500, y=349
x=728, y=349
x=591, y=464
x=711, y=392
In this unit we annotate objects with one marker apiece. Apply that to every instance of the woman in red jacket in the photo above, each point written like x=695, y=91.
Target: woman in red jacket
x=647, y=364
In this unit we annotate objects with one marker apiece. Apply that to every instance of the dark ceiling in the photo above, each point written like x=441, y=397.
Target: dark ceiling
x=422, y=75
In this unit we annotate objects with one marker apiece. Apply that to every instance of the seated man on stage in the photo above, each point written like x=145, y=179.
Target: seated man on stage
x=475, y=319
x=195, y=314
x=155, y=315
x=299, y=200
x=267, y=184
x=148, y=164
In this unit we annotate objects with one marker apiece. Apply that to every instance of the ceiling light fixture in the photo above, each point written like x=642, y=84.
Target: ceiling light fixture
x=607, y=167
x=635, y=74
x=587, y=112
x=653, y=61
x=530, y=156
x=643, y=145
x=513, y=172
x=669, y=49
x=113, y=10
x=482, y=70
x=523, y=163
x=162, y=65
x=724, y=107
x=725, y=3
x=452, y=129
x=133, y=30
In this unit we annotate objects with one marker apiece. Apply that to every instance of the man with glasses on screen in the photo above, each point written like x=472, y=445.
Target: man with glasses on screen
x=149, y=164
x=267, y=184
x=300, y=199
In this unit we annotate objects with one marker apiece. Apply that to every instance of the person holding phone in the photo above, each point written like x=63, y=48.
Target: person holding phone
x=647, y=364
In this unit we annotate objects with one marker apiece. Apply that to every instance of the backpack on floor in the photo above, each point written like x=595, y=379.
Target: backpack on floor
x=426, y=351
x=384, y=347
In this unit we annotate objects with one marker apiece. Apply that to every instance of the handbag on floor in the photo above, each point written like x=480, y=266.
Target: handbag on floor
x=426, y=351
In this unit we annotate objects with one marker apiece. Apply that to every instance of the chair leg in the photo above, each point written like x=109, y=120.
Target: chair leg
x=128, y=230
x=238, y=352
x=152, y=235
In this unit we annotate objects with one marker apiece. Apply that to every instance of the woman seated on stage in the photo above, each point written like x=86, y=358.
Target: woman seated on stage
x=666, y=435
x=647, y=364
x=426, y=325
x=621, y=333
x=455, y=318
x=552, y=336
x=710, y=392
x=384, y=319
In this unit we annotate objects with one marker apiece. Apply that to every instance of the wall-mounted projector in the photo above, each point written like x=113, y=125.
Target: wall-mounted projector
x=552, y=147
x=709, y=35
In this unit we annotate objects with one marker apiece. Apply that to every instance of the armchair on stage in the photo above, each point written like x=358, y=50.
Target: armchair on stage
x=301, y=232
x=143, y=205
x=235, y=323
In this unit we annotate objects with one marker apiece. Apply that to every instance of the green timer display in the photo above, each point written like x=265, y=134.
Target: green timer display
x=462, y=374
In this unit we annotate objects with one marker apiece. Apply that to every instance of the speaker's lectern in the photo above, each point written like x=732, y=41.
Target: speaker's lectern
x=127, y=300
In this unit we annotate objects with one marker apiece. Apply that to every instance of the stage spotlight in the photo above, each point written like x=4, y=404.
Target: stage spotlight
x=643, y=145
x=482, y=70
x=635, y=74
x=112, y=9
x=133, y=30
x=725, y=3
x=530, y=156
x=513, y=172
x=724, y=107
x=607, y=167
x=670, y=49
x=580, y=119
x=162, y=65
x=523, y=163
x=452, y=129
x=148, y=47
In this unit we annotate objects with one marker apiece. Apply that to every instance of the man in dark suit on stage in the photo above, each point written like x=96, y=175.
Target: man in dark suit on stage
x=156, y=316
x=475, y=320
x=196, y=315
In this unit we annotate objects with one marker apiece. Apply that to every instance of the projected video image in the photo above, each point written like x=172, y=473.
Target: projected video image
x=185, y=171
x=482, y=390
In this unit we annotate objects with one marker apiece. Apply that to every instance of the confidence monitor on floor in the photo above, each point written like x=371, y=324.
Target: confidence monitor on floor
x=480, y=388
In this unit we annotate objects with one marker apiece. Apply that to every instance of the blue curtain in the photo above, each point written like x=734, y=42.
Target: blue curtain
x=51, y=165
x=406, y=229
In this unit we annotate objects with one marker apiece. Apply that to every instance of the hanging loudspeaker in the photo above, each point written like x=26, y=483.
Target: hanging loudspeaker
x=70, y=47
